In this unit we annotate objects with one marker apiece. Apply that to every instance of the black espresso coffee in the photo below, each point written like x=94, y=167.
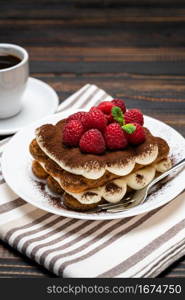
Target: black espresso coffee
x=8, y=61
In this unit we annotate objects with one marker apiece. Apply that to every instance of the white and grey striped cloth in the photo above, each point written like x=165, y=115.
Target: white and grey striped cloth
x=141, y=246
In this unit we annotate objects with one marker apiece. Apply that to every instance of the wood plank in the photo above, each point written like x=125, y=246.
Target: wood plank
x=98, y=54
x=61, y=11
x=122, y=36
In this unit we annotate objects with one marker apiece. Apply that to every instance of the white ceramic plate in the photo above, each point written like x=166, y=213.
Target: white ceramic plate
x=17, y=172
x=39, y=100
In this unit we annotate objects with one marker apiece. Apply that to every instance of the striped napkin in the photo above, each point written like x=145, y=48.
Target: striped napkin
x=140, y=246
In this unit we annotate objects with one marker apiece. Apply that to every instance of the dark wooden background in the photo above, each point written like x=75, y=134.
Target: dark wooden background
x=134, y=50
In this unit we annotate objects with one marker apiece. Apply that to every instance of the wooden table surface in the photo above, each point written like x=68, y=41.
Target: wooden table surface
x=133, y=52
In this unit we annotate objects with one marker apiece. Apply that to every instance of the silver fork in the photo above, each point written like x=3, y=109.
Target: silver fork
x=139, y=196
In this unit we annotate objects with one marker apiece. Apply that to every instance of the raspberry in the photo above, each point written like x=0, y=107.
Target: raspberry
x=134, y=115
x=77, y=116
x=115, y=137
x=120, y=103
x=138, y=136
x=94, y=119
x=93, y=108
x=106, y=107
x=92, y=141
x=72, y=133
x=110, y=118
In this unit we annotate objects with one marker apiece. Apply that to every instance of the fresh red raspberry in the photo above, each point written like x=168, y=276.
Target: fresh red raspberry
x=93, y=108
x=76, y=116
x=72, y=133
x=134, y=115
x=115, y=137
x=92, y=141
x=94, y=119
x=106, y=107
x=138, y=136
x=120, y=103
x=109, y=118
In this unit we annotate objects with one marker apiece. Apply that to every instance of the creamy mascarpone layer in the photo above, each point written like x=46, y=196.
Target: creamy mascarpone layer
x=115, y=190
x=95, y=171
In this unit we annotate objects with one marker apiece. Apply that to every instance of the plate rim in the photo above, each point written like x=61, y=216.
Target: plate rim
x=73, y=214
x=55, y=103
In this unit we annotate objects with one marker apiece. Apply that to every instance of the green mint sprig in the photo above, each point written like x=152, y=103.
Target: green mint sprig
x=129, y=128
x=118, y=115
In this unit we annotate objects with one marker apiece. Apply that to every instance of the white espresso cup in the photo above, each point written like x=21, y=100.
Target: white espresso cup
x=13, y=80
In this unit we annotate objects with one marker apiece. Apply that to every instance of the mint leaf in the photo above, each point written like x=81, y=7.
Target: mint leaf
x=118, y=114
x=129, y=128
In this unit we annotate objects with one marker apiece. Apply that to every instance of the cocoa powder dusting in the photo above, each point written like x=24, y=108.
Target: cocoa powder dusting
x=51, y=137
x=111, y=187
x=139, y=178
x=51, y=198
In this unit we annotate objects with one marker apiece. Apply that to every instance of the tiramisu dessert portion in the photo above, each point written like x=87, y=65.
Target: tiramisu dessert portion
x=98, y=156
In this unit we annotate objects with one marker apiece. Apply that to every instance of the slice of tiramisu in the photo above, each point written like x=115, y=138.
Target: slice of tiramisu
x=98, y=155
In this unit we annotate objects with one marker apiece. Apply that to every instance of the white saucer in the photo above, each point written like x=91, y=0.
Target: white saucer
x=39, y=100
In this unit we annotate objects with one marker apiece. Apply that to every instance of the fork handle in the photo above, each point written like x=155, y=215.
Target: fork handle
x=178, y=165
